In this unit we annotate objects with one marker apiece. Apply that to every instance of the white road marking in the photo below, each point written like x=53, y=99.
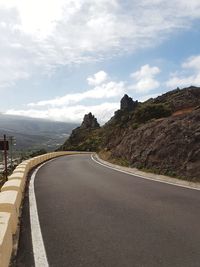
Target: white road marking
x=39, y=251
x=143, y=177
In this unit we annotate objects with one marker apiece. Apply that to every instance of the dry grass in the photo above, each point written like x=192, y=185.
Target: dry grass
x=183, y=111
x=106, y=155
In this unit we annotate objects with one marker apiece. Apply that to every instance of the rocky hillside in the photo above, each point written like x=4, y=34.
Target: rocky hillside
x=170, y=146
x=161, y=135
x=81, y=137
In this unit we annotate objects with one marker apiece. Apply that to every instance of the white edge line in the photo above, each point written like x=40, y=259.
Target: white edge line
x=39, y=252
x=143, y=177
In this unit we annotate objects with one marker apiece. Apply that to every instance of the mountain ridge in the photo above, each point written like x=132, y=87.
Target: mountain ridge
x=161, y=135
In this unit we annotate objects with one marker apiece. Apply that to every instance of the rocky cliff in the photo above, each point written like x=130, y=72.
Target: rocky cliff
x=161, y=135
x=169, y=146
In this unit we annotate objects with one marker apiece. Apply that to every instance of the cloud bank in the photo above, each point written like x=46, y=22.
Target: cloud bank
x=70, y=107
x=39, y=36
x=106, y=93
x=188, y=75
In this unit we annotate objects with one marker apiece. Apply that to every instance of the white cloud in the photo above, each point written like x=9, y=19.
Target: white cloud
x=192, y=62
x=102, y=111
x=47, y=34
x=145, y=79
x=98, y=78
x=14, y=65
x=102, y=90
x=44, y=22
x=181, y=81
x=145, y=72
x=69, y=107
x=189, y=74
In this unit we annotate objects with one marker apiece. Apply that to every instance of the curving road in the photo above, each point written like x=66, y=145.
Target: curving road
x=92, y=216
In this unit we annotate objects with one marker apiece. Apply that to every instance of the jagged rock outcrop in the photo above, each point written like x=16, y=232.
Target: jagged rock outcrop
x=81, y=137
x=127, y=103
x=127, y=106
x=89, y=121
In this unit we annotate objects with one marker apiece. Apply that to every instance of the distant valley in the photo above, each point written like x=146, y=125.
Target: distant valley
x=33, y=134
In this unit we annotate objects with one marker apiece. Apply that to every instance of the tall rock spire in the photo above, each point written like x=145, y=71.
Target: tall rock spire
x=89, y=121
x=127, y=103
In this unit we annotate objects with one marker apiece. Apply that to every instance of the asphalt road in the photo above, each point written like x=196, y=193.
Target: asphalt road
x=92, y=216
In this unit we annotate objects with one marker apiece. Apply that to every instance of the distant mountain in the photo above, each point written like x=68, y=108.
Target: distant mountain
x=31, y=133
x=160, y=135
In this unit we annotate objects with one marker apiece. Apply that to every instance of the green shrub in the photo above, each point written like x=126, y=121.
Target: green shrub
x=151, y=111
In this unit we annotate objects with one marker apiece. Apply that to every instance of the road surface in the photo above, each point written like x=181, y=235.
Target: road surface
x=92, y=216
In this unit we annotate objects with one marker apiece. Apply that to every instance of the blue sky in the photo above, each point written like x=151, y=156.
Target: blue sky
x=63, y=58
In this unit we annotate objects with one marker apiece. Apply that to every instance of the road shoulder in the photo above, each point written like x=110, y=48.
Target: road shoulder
x=145, y=175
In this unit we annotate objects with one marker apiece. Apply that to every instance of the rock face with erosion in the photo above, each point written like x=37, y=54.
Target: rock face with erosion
x=169, y=146
x=89, y=121
x=127, y=103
